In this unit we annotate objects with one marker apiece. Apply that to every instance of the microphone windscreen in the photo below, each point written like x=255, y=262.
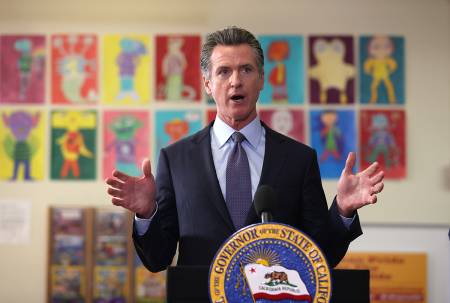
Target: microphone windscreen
x=265, y=200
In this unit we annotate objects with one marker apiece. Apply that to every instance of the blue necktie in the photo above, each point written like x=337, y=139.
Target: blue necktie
x=239, y=184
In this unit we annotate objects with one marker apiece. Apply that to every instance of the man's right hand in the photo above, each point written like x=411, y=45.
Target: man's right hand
x=134, y=193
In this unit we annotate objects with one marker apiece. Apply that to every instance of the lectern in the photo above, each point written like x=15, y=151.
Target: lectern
x=189, y=284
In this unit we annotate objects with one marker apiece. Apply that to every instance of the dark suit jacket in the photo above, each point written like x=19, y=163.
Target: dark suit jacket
x=192, y=210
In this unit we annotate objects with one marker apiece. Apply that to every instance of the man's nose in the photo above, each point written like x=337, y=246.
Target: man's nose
x=236, y=80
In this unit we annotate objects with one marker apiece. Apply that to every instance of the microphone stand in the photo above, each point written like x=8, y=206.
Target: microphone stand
x=266, y=217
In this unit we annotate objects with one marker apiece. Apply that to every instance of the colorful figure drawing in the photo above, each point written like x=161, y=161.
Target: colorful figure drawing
x=124, y=128
x=331, y=135
x=72, y=147
x=289, y=122
x=24, y=64
x=382, y=142
x=380, y=65
x=282, y=121
x=72, y=68
x=278, y=51
x=176, y=129
x=331, y=71
x=127, y=61
x=173, y=67
x=22, y=148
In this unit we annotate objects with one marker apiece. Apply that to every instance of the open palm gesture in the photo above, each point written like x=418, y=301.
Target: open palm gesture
x=358, y=190
x=136, y=194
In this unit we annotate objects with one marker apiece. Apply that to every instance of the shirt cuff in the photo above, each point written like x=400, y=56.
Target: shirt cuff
x=142, y=224
x=348, y=221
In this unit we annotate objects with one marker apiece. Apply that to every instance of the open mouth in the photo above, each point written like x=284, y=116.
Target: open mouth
x=237, y=97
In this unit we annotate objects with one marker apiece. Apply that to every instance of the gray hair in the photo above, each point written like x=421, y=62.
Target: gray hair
x=230, y=36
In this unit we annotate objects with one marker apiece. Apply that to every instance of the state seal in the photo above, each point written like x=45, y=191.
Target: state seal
x=268, y=262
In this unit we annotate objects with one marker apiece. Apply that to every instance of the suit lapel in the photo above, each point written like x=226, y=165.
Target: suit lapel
x=201, y=156
x=274, y=158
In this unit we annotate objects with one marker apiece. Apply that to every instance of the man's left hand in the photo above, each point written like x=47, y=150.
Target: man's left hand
x=358, y=190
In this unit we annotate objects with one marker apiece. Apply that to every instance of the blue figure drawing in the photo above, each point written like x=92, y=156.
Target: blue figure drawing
x=333, y=137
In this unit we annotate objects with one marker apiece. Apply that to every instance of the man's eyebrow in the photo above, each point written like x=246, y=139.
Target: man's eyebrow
x=221, y=67
x=247, y=65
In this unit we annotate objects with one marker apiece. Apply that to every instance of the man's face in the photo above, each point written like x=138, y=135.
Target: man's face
x=235, y=84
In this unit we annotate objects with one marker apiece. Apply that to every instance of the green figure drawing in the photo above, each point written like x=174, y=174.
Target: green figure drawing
x=125, y=127
x=24, y=64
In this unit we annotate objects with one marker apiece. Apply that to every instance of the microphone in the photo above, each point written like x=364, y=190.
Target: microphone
x=265, y=202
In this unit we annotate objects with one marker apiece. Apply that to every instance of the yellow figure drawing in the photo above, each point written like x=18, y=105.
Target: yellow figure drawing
x=331, y=70
x=380, y=66
x=72, y=142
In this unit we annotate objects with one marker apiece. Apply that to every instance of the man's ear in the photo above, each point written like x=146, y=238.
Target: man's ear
x=261, y=87
x=207, y=84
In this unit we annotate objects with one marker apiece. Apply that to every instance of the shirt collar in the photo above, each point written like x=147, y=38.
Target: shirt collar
x=251, y=131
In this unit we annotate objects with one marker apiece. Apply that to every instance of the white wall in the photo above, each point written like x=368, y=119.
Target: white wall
x=420, y=199
x=432, y=240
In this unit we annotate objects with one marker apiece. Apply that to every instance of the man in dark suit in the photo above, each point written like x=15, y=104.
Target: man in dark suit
x=187, y=203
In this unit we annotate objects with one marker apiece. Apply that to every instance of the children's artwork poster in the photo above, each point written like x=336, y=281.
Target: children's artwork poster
x=211, y=115
x=172, y=126
x=111, y=223
x=68, y=284
x=73, y=144
x=150, y=287
x=382, y=70
x=111, y=238
x=68, y=241
x=178, y=76
x=209, y=97
x=111, y=252
x=22, y=66
x=331, y=70
x=283, y=64
x=289, y=122
x=68, y=250
x=110, y=284
x=126, y=69
x=394, y=277
x=74, y=69
x=22, y=143
x=382, y=139
x=333, y=136
x=67, y=222
x=125, y=141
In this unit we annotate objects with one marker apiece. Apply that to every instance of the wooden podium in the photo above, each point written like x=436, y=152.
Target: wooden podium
x=189, y=284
